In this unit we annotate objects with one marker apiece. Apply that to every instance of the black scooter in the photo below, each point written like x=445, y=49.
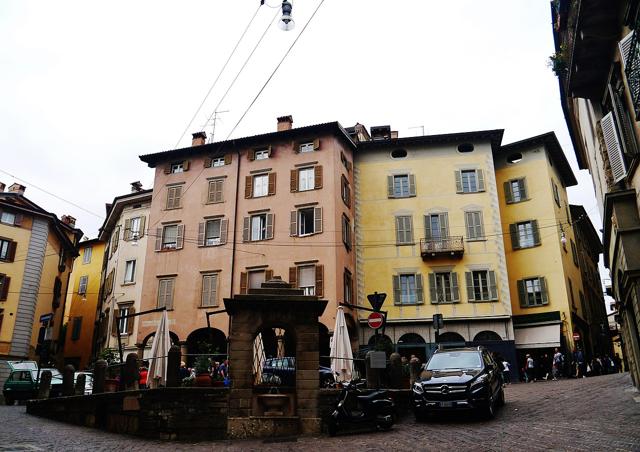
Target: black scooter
x=358, y=409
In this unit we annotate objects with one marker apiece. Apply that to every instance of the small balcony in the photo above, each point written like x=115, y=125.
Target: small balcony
x=451, y=247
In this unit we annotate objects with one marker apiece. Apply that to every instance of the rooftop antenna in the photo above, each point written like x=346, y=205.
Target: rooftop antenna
x=215, y=120
x=418, y=127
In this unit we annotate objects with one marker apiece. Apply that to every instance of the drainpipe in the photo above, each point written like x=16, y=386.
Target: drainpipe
x=235, y=220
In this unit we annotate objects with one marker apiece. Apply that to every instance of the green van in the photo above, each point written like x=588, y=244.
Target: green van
x=23, y=380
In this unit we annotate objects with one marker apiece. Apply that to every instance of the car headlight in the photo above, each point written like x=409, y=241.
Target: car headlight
x=480, y=381
x=417, y=388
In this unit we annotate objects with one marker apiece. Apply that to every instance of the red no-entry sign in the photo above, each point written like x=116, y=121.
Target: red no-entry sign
x=375, y=320
x=576, y=336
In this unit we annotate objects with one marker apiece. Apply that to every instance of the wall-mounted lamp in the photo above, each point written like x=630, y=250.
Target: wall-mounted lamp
x=563, y=238
x=286, y=23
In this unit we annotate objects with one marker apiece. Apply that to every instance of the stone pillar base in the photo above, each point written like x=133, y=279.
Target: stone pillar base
x=263, y=426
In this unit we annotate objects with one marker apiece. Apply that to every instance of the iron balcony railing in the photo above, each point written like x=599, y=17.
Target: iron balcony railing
x=632, y=69
x=453, y=246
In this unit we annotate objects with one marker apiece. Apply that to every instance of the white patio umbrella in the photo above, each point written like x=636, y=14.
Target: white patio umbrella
x=341, y=354
x=157, y=375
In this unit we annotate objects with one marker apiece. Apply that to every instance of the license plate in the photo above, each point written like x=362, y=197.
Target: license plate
x=446, y=404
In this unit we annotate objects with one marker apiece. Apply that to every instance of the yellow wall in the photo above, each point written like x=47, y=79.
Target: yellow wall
x=83, y=305
x=434, y=167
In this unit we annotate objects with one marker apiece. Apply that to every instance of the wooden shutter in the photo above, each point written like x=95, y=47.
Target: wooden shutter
x=493, y=286
x=614, y=148
x=468, y=216
x=295, y=145
x=244, y=279
x=130, y=320
x=455, y=290
x=458, y=176
x=419, y=290
x=480, y=176
x=427, y=227
x=219, y=184
x=185, y=165
x=224, y=228
x=17, y=220
x=319, y=280
x=523, y=189
x=268, y=275
x=248, y=186
x=471, y=296
x=624, y=46
x=127, y=229
x=444, y=225
x=293, y=223
x=115, y=238
x=412, y=184
x=114, y=327
x=201, y=229
x=270, y=220
x=294, y=181
x=399, y=230
x=522, y=293
x=543, y=290
x=207, y=162
x=251, y=155
x=397, y=296
x=317, y=176
x=432, y=288
x=390, y=187
x=205, y=296
x=228, y=158
x=167, y=169
x=12, y=251
x=272, y=184
x=508, y=194
x=536, y=232
x=316, y=144
x=515, y=240
x=317, y=220
x=211, y=191
x=169, y=293
x=293, y=276
x=4, y=287
x=245, y=228
x=158, y=239
x=143, y=225
x=180, y=237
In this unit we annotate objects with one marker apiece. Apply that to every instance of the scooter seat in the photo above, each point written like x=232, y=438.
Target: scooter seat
x=368, y=397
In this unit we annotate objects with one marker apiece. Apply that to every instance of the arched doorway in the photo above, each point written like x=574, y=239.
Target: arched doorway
x=485, y=336
x=451, y=338
x=412, y=344
x=274, y=357
x=210, y=341
x=148, y=340
x=381, y=342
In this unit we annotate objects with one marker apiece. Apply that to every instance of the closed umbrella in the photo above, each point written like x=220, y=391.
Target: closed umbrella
x=341, y=355
x=157, y=375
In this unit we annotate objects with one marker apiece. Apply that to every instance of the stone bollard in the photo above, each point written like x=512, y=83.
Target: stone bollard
x=395, y=371
x=80, y=384
x=130, y=374
x=373, y=375
x=99, y=374
x=67, y=380
x=415, y=367
x=45, y=384
x=173, y=367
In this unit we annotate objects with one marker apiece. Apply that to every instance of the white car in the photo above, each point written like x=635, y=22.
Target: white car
x=88, y=382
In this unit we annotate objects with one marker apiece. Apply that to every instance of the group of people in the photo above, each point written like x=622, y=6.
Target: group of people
x=216, y=369
x=548, y=366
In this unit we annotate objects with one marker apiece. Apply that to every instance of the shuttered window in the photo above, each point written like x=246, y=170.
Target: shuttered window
x=174, y=195
x=86, y=255
x=624, y=46
x=165, y=292
x=7, y=250
x=348, y=286
x=306, y=179
x=210, y=290
x=474, y=226
x=170, y=237
x=4, y=286
x=524, y=235
x=404, y=230
x=82, y=285
x=532, y=292
x=407, y=289
x=346, y=232
x=469, y=181
x=258, y=227
x=443, y=287
x=614, y=148
x=436, y=226
x=401, y=186
x=481, y=285
x=307, y=279
x=213, y=232
x=76, y=328
x=515, y=191
x=214, y=191
x=574, y=253
x=345, y=191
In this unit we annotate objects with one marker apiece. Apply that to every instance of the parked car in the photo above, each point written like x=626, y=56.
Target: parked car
x=88, y=382
x=23, y=381
x=459, y=379
x=282, y=371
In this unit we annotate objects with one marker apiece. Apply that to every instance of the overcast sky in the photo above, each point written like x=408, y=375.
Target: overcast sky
x=86, y=87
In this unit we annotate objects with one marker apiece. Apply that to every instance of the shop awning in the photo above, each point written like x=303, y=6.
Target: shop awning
x=543, y=336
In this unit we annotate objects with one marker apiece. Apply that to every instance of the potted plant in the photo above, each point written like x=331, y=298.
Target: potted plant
x=202, y=371
x=111, y=381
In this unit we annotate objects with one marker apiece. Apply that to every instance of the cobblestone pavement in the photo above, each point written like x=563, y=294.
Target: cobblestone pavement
x=593, y=414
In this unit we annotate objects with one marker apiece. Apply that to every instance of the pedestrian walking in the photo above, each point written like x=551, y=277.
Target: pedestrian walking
x=506, y=371
x=558, y=363
x=617, y=363
x=530, y=369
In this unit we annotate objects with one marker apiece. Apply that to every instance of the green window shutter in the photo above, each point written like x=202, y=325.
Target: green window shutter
x=493, y=286
x=458, y=182
x=543, y=289
x=536, y=232
x=432, y=288
x=444, y=225
x=479, y=225
x=390, y=186
x=468, y=218
x=523, y=189
x=245, y=229
x=470, y=292
x=455, y=290
x=508, y=194
x=409, y=224
x=399, y=232
x=293, y=224
x=396, y=289
x=522, y=293
x=201, y=227
x=427, y=227
x=412, y=184
x=480, y=176
x=419, y=289
x=224, y=226
x=515, y=242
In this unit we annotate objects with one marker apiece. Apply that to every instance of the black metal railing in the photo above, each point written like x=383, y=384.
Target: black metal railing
x=447, y=245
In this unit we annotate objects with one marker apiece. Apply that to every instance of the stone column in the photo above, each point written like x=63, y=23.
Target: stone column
x=130, y=374
x=395, y=371
x=99, y=374
x=173, y=367
x=67, y=380
x=80, y=384
x=45, y=384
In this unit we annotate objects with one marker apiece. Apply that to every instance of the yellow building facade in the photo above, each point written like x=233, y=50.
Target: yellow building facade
x=36, y=254
x=429, y=235
x=82, y=303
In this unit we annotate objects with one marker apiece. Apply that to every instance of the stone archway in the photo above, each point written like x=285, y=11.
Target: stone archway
x=450, y=336
x=206, y=341
x=488, y=335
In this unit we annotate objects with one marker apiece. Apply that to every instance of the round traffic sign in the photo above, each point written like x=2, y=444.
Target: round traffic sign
x=375, y=320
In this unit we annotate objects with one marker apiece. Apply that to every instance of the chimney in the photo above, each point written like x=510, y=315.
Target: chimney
x=2, y=186
x=199, y=138
x=285, y=123
x=17, y=188
x=69, y=220
x=136, y=186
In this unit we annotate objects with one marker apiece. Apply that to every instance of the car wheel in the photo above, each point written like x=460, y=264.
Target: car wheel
x=501, y=397
x=490, y=410
x=9, y=401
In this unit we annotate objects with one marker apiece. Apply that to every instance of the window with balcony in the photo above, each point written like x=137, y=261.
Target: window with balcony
x=469, y=181
x=436, y=226
x=524, y=234
x=407, y=289
x=481, y=285
x=401, y=186
x=532, y=292
x=443, y=287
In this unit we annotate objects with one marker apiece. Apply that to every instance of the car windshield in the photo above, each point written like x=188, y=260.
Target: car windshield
x=54, y=374
x=455, y=360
